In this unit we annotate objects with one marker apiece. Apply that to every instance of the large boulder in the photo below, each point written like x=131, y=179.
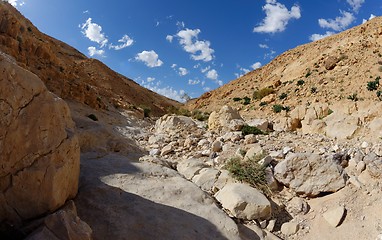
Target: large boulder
x=227, y=118
x=310, y=174
x=39, y=155
x=171, y=123
x=244, y=201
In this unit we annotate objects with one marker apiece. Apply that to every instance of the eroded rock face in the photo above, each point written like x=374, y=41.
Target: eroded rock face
x=39, y=154
x=170, y=123
x=310, y=174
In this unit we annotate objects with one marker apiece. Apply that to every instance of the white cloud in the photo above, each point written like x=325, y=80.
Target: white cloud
x=193, y=82
x=339, y=23
x=167, y=91
x=197, y=65
x=93, y=32
x=264, y=46
x=277, y=17
x=180, y=24
x=125, y=41
x=212, y=74
x=173, y=65
x=150, y=58
x=183, y=71
x=206, y=89
x=371, y=17
x=93, y=51
x=200, y=50
x=150, y=79
x=270, y=54
x=355, y=4
x=205, y=69
x=220, y=83
x=256, y=65
x=12, y=2
x=316, y=36
x=169, y=38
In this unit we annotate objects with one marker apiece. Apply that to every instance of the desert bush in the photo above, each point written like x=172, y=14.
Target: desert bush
x=313, y=90
x=277, y=108
x=249, y=171
x=259, y=94
x=263, y=104
x=353, y=97
x=372, y=85
x=199, y=115
x=246, y=130
x=300, y=82
x=146, y=112
x=283, y=96
x=236, y=99
x=246, y=101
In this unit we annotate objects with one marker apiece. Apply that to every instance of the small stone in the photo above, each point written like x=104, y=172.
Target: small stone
x=263, y=224
x=166, y=150
x=217, y=146
x=354, y=181
x=289, y=228
x=364, y=145
x=155, y=152
x=250, y=139
x=361, y=166
x=379, y=237
x=271, y=225
x=335, y=216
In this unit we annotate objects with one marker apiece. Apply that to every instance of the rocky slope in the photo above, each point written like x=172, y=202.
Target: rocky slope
x=67, y=72
x=326, y=71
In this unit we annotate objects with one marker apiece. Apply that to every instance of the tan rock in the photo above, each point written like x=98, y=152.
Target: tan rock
x=40, y=155
x=289, y=228
x=335, y=216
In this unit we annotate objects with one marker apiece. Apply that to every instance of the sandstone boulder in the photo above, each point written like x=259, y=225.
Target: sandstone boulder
x=244, y=201
x=39, y=152
x=170, y=123
x=226, y=118
x=310, y=174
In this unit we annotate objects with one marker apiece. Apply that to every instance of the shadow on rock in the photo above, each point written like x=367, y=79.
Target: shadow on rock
x=114, y=213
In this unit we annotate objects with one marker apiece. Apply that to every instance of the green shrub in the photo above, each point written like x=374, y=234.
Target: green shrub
x=146, y=112
x=259, y=94
x=313, y=90
x=246, y=101
x=246, y=130
x=277, y=108
x=283, y=96
x=353, y=97
x=93, y=117
x=249, y=171
x=379, y=95
x=263, y=104
x=372, y=85
x=236, y=99
x=300, y=82
x=199, y=115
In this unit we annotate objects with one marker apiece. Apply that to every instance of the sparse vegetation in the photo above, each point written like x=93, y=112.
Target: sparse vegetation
x=146, y=112
x=379, y=95
x=249, y=171
x=236, y=99
x=313, y=90
x=263, y=104
x=380, y=68
x=353, y=97
x=92, y=117
x=300, y=82
x=246, y=130
x=308, y=73
x=259, y=94
x=277, y=108
x=283, y=96
x=246, y=101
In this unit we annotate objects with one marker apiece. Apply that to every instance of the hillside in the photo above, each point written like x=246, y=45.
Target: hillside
x=331, y=69
x=67, y=72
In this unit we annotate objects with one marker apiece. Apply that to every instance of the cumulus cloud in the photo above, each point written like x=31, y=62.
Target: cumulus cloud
x=339, y=23
x=169, y=38
x=371, y=17
x=212, y=74
x=150, y=79
x=193, y=82
x=183, y=71
x=203, y=70
x=200, y=50
x=94, y=33
x=277, y=17
x=93, y=51
x=150, y=58
x=167, y=91
x=355, y=4
x=125, y=41
x=256, y=65
x=316, y=36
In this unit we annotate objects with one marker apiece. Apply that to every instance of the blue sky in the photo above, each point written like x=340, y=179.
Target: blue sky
x=191, y=46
